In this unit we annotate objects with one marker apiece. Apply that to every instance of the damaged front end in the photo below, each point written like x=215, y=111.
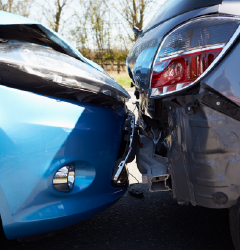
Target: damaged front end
x=34, y=58
x=42, y=70
x=66, y=133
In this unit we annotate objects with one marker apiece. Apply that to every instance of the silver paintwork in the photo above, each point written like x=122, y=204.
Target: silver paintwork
x=153, y=91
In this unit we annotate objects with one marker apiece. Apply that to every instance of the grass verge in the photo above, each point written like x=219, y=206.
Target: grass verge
x=122, y=79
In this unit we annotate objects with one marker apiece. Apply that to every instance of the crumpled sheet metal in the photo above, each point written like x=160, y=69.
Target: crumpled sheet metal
x=58, y=68
x=9, y=19
x=204, y=157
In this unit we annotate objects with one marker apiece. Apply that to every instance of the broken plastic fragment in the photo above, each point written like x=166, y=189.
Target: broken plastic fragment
x=135, y=192
x=107, y=92
x=57, y=79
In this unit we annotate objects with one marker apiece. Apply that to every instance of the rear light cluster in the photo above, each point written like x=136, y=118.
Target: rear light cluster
x=188, y=51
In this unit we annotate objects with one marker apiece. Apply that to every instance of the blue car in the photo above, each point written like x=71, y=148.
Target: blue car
x=65, y=132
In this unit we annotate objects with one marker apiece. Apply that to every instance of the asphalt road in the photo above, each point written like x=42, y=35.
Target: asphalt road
x=152, y=222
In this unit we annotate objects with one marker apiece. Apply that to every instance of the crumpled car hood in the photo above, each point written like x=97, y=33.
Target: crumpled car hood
x=30, y=60
x=10, y=19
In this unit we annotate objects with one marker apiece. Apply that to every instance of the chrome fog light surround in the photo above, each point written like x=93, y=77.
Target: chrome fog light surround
x=64, y=178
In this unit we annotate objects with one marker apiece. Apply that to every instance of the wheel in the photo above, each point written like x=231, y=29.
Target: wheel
x=234, y=221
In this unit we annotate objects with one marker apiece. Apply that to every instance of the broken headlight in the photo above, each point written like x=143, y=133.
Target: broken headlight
x=58, y=69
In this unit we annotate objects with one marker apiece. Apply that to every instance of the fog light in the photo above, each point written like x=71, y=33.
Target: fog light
x=64, y=179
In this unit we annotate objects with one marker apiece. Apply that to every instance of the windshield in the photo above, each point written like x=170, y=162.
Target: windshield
x=172, y=8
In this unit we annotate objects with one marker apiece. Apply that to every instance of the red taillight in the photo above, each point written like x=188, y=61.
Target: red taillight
x=188, y=51
x=183, y=69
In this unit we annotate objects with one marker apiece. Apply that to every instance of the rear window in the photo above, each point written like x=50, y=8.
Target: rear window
x=173, y=8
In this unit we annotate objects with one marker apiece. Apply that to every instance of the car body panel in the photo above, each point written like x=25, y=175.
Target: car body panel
x=203, y=155
x=57, y=110
x=224, y=78
x=39, y=135
x=172, y=8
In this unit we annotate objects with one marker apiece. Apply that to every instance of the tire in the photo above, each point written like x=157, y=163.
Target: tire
x=234, y=221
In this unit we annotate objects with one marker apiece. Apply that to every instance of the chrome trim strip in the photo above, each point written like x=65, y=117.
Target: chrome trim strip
x=123, y=163
x=218, y=58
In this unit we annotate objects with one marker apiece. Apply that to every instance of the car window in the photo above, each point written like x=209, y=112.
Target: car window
x=172, y=8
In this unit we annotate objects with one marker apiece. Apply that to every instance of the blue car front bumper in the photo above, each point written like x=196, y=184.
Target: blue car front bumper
x=39, y=135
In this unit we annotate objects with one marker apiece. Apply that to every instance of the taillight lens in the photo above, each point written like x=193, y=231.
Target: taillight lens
x=188, y=51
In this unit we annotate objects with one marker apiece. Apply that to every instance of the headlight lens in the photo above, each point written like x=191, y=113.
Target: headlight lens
x=58, y=69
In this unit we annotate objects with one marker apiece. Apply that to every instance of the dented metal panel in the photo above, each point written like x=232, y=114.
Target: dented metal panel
x=35, y=58
x=206, y=158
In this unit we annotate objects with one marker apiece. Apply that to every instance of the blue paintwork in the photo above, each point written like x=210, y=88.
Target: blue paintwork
x=7, y=18
x=38, y=136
